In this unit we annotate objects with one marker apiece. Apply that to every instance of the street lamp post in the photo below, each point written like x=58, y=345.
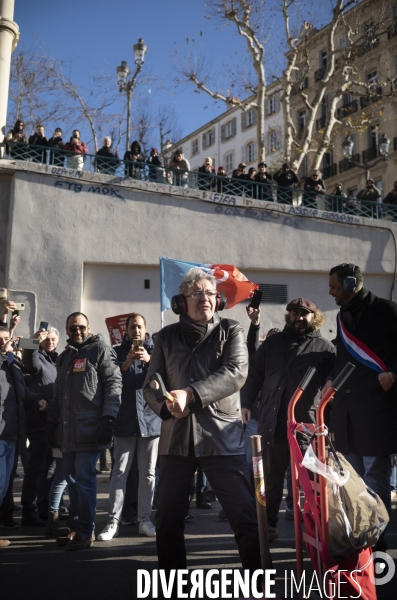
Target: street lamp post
x=127, y=85
x=348, y=146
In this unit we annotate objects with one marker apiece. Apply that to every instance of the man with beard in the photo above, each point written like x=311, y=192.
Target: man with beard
x=363, y=416
x=276, y=370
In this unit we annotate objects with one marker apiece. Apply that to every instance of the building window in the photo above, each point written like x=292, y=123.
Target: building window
x=229, y=162
x=372, y=78
x=301, y=120
x=251, y=118
x=272, y=105
x=195, y=147
x=208, y=138
x=323, y=59
x=228, y=130
x=273, y=141
x=251, y=152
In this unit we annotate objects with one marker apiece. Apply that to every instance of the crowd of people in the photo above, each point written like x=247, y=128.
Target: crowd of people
x=188, y=398
x=283, y=186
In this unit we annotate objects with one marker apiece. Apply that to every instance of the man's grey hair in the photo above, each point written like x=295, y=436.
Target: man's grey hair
x=53, y=330
x=193, y=276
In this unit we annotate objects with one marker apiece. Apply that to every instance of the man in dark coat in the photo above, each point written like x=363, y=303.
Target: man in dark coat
x=276, y=370
x=313, y=187
x=364, y=410
x=40, y=366
x=86, y=403
x=14, y=398
x=38, y=139
x=285, y=179
x=108, y=160
x=203, y=362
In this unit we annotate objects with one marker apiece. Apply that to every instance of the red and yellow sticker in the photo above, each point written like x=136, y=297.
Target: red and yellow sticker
x=79, y=365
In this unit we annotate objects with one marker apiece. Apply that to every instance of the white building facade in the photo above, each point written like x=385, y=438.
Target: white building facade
x=231, y=138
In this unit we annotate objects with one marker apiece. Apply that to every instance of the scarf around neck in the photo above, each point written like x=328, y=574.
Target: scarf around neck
x=194, y=332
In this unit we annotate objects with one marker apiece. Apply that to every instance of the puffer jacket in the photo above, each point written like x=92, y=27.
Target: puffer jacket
x=276, y=370
x=14, y=399
x=42, y=372
x=215, y=370
x=88, y=387
x=135, y=417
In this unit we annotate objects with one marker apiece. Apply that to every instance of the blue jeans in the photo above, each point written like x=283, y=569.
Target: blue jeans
x=376, y=471
x=250, y=429
x=79, y=472
x=58, y=486
x=7, y=455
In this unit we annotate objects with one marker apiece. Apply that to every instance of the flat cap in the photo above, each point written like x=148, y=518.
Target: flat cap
x=302, y=303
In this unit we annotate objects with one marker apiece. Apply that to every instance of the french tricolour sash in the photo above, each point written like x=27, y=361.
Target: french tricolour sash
x=359, y=350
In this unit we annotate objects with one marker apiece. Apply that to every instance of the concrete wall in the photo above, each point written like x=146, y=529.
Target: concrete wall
x=84, y=241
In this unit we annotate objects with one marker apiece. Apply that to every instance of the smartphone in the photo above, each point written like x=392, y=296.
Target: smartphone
x=137, y=343
x=43, y=325
x=19, y=305
x=15, y=312
x=256, y=299
x=29, y=344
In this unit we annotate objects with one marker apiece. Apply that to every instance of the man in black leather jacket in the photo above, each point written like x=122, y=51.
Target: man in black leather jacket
x=203, y=363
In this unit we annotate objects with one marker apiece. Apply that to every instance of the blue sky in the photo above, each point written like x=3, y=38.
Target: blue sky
x=100, y=34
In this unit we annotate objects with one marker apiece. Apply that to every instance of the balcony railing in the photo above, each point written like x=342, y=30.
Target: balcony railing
x=329, y=171
x=296, y=88
x=319, y=74
x=345, y=164
x=347, y=109
x=370, y=153
x=367, y=47
x=370, y=99
x=320, y=123
x=64, y=163
x=392, y=31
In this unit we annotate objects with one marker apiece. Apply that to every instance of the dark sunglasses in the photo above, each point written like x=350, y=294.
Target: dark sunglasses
x=74, y=328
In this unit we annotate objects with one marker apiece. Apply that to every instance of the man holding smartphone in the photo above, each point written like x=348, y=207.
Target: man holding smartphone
x=137, y=430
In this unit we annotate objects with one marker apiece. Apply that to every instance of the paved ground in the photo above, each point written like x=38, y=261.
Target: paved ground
x=34, y=568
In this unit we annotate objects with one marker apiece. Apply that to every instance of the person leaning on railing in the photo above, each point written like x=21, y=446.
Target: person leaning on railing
x=180, y=167
x=134, y=161
x=250, y=186
x=76, y=152
x=36, y=154
x=313, y=186
x=155, y=164
x=56, y=155
x=222, y=182
x=285, y=179
x=262, y=176
x=109, y=160
x=369, y=194
x=338, y=199
x=16, y=142
x=205, y=178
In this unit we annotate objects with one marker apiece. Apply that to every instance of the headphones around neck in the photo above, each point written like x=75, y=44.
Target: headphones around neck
x=179, y=303
x=350, y=282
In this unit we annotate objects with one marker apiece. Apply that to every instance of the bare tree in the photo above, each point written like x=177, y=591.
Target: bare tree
x=339, y=75
x=247, y=18
x=168, y=126
x=34, y=95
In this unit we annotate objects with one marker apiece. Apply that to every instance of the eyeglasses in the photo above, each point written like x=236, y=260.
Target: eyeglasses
x=74, y=328
x=196, y=295
x=314, y=174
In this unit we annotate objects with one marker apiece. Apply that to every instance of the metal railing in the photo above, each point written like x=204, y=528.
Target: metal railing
x=345, y=164
x=224, y=187
x=347, y=109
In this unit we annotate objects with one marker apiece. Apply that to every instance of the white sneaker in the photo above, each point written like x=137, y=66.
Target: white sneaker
x=110, y=531
x=147, y=528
